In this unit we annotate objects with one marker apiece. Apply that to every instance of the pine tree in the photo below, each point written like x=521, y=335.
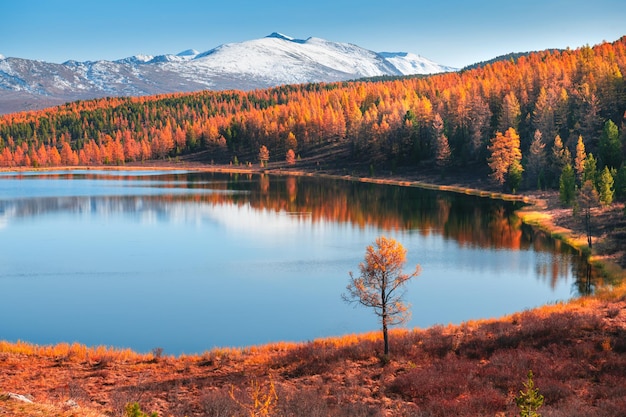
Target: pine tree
x=443, y=154
x=529, y=401
x=514, y=176
x=610, y=145
x=536, y=160
x=567, y=186
x=510, y=115
x=505, y=151
x=290, y=157
x=559, y=157
x=590, y=172
x=579, y=160
x=605, y=186
x=587, y=199
x=543, y=114
x=264, y=156
x=620, y=183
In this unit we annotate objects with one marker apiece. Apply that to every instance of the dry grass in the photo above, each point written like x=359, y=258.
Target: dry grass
x=577, y=352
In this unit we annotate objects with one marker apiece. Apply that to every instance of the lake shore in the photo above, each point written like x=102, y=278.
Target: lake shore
x=576, y=350
x=543, y=209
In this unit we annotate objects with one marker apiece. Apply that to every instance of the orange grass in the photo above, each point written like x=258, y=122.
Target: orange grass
x=577, y=351
x=73, y=352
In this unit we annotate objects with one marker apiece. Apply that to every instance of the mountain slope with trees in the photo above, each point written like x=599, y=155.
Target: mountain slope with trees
x=551, y=100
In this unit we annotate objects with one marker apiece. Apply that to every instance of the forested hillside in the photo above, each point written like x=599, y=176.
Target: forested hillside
x=526, y=119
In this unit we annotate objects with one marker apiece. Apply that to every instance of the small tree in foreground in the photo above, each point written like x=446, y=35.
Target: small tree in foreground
x=381, y=282
x=530, y=400
x=134, y=410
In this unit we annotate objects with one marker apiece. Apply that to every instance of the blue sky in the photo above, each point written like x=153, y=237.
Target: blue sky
x=450, y=32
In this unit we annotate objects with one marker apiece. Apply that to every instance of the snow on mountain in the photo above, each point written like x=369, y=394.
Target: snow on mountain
x=188, y=52
x=1, y=56
x=277, y=59
x=136, y=59
x=260, y=63
x=409, y=63
x=279, y=35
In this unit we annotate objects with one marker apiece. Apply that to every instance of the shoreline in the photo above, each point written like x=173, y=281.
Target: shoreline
x=537, y=213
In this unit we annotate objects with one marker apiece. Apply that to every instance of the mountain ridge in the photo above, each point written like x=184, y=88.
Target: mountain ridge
x=270, y=61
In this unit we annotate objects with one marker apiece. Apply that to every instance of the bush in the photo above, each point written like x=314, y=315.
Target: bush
x=133, y=410
x=217, y=403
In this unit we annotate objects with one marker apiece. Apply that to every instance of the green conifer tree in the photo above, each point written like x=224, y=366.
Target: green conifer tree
x=610, y=145
x=567, y=186
x=529, y=401
x=590, y=172
x=605, y=186
x=514, y=177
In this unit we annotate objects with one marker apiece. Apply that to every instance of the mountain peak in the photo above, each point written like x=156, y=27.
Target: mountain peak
x=188, y=52
x=279, y=35
x=276, y=59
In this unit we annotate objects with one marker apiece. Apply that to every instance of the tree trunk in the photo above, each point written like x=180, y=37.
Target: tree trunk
x=385, y=336
x=383, y=298
x=588, y=226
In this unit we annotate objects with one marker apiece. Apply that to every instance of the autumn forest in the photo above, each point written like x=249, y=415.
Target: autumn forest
x=521, y=121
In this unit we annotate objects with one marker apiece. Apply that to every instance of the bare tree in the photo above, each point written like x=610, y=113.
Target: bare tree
x=380, y=284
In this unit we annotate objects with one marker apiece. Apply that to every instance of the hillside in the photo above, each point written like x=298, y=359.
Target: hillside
x=447, y=120
x=576, y=351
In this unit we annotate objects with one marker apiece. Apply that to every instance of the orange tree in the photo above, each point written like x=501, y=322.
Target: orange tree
x=381, y=282
x=505, y=155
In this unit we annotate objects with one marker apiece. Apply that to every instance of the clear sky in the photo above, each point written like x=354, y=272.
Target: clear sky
x=450, y=32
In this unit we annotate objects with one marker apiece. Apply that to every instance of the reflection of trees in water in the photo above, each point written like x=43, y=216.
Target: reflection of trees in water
x=471, y=221
x=563, y=259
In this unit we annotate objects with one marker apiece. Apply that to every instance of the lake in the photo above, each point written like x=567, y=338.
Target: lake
x=189, y=261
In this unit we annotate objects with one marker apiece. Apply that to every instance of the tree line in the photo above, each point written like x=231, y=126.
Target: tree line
x=511, y=117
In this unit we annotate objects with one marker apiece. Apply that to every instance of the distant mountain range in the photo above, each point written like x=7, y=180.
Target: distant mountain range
x=270, y=61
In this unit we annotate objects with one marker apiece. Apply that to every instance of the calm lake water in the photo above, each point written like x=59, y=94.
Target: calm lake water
x=190, y=261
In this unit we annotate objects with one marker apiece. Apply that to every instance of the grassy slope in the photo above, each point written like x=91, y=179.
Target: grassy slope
x=577, y=352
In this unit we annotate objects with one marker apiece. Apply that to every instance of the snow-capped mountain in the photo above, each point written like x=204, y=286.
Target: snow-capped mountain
x=270, y=61
x=408, y=63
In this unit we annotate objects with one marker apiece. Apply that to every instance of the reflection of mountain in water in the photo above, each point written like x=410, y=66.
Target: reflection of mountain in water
x=143, y=207
x=471, y=221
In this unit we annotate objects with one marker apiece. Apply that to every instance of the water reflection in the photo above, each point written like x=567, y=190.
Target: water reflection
x=172, y=247
x=473, y=222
